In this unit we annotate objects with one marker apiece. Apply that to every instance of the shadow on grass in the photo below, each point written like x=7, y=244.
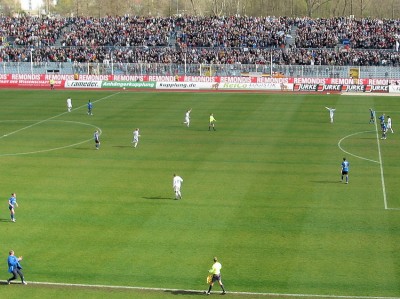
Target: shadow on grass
x=327, y=182
x=4, y=220
x=157, y=197
x=123, y=146
x=84, y=148
x=183, y=292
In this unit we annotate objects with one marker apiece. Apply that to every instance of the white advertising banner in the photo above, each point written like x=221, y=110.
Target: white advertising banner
x=82, y=84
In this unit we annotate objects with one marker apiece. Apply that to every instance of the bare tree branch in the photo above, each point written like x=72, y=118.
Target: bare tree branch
x=312, y=5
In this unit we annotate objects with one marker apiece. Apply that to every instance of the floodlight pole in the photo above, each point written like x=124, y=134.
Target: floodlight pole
x=31, y=62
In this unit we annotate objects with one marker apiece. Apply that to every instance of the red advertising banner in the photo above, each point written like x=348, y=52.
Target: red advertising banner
x=42, y=81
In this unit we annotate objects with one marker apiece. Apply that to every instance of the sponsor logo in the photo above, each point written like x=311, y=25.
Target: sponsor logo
x=127, y=84
x=394, y=88
x=305, y=87
x=353, y=88
x=309, y=80
x=162, y=78
x=377, y=88
x=235, y=79
x=177, y=85
x=198, y=79
x=234, y=86
x=329, y=87
x=25, y=77
x=83, y=84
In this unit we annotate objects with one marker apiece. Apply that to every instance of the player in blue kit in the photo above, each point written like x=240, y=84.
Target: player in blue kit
x=14, y=267
x=12, y=204
x=372, y=116
x=89, y=108
x=382, y=118
x=384, y=130
x=345, y=170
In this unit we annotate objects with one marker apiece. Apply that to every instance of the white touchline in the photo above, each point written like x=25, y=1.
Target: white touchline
x=379, y=161
x=381, y=166
x=99, y=286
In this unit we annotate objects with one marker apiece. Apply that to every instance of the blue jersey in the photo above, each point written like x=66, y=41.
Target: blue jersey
x=89, y=106
x=12, y=201
x=384, y=128
x=382, y=118
x=345, y=166
x=13, y=263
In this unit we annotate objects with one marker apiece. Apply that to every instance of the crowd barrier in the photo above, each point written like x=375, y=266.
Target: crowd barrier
x=193, y=83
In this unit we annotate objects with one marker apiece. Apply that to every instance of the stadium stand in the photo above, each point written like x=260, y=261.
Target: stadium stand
x=295, y=46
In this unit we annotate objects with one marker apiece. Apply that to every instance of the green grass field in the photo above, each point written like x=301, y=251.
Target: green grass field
x=263, y=193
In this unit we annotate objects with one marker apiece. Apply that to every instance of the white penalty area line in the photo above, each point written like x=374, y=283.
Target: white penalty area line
x=359, y=157
x=53, y=117
x=78, y=285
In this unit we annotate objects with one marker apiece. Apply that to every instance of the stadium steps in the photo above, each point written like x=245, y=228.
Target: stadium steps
x=291, y=40
x=172, y=38
x=57, y=42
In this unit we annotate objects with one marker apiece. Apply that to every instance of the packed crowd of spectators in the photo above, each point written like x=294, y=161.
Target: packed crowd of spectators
x=360, y=33
x=118, y=31
x=205, y=40
x=234, y=31
x=31, y=31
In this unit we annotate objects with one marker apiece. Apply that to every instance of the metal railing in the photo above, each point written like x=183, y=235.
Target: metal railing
x=141, y=69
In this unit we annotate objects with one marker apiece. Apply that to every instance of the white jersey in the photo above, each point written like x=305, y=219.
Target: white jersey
x=177, y=181
x=389, y=123
x=136, y=135
x=69, y=103
x=187, y=116
x=331, y=111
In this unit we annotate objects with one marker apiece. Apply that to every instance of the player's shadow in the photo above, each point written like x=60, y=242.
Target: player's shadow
x=4, y=220
x=156, y=197
x=327, y=182
x=83, y=148
x=183, y=292
x=122, y=146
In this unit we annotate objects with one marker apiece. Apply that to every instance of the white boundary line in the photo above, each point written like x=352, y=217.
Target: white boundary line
x=380, y=162
x=50, y=149
x=58, y=115
x=359, y=157
x=202, y=292
x=52, y=119
x=197, y=291
x=381, y=166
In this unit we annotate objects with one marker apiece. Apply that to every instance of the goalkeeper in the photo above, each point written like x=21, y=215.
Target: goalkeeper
x=215, y=275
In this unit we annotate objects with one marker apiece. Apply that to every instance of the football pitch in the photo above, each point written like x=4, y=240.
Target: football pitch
x=262, y=193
